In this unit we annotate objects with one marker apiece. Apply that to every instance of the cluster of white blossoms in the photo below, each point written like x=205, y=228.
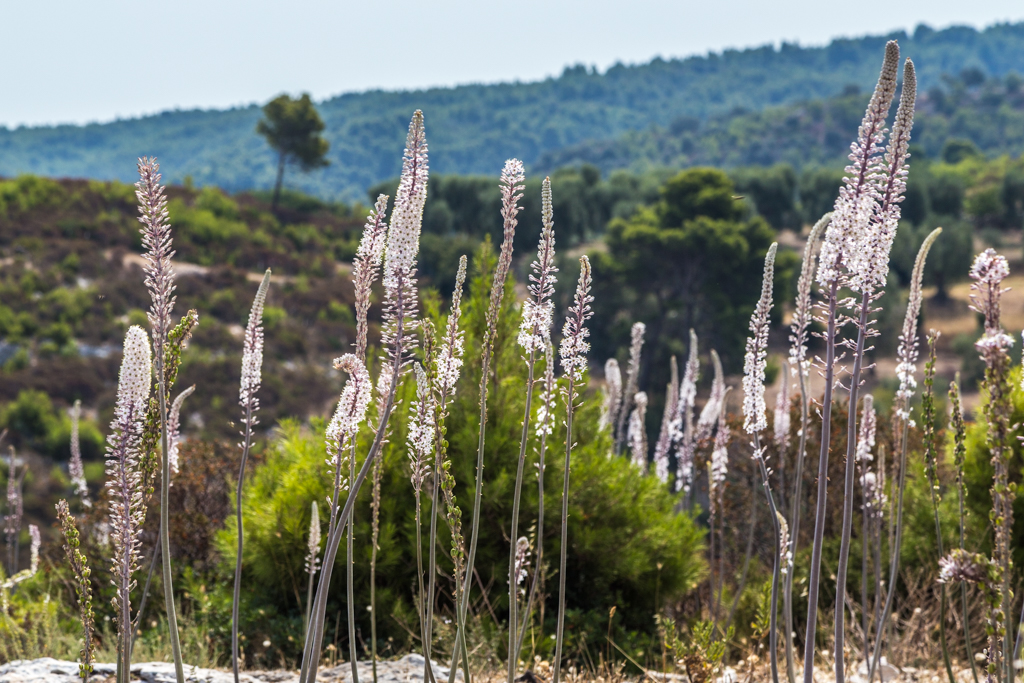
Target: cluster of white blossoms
x=75, y=467
x=612, y=393
x=366, y=266
x=522, y=561
x=720, y=451
x=421, y=430
x=174, y=439
x=636, y=435
x=448, y=365
x=351, y=410
x=803, y=314
x=545, y=422
x=252, y=349
x=538, y=309
x=716, y=401
x=782, y=421
x=906, y=352
x=756, y=359
x=574, y=348
x=988, y=272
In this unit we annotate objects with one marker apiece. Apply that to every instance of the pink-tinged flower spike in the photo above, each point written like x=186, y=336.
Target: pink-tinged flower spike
x=869, y=264
x=403, y=241
x=15, y=511
x=522, y=561
x=720, y=451
x=638, y=432
x=782, y=422
x=252, y=377
x=312, y=555
x=351, y=411
x=858, y=197
x=866, y=438
x=573, y=352
x=612, y=394
x=755, y=361
x=33, y=532
x=538, y=309
x=709, y=415
x=75, y=468
x=636, y=343
x=127, y=509
x=682, y=426
x=420, y=436
x=366, y=266
x=906, y=353
x=156, y=238
x=988, y=272
x=664, y=444
x=448, y=365
x=803, y=312
x=174, y=439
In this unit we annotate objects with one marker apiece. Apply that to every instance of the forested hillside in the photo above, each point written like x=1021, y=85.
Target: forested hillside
x=474, y=128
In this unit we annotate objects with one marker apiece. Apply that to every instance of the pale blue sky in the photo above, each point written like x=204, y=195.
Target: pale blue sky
x=73, y=61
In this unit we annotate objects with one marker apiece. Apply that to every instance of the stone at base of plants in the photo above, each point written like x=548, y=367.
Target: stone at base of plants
x=408, y=669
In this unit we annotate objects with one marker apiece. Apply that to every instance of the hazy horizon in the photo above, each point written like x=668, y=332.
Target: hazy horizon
x=114, y=59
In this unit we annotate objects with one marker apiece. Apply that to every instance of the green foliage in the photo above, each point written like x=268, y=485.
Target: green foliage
x=699, y=654
x=292, y=128
x=691, y=261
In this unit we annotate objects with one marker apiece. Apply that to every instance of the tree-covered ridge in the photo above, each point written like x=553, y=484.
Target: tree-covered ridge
x=476, y=127
x=987, y=112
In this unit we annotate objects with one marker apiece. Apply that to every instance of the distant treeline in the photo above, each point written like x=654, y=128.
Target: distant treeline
x=710, y=101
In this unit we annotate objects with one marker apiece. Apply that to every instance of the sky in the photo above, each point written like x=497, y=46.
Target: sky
x=67, y=61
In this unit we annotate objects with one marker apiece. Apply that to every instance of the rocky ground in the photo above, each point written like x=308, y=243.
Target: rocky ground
x=408, y=669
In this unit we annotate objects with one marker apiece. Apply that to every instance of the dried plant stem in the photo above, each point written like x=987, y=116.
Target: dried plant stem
x=794, y=524
x=559, y=631
x=513, y=597
x=810, y=637
x=848, y=493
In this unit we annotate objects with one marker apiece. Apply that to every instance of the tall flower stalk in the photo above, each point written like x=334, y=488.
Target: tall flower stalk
x=251, y=378
x=682, y=426
x=636, y=344
x=513, y=180
x=959, y=451
x=447, y=369
x=718, y=471
x=906, y=357
x=15, y=511
x=83, y=585
x=420, y=441
x=534, y=336
x=755, y=420
x=400, y=307
x=868, y=486
x=75, y=467
x=988, y=272
x=573, y=352
x=664, y=444
x=868, y=267
x=612, y=396
x=156, y=238
x=127, y=509
x=636, y=435
x=312, y=555
x=840, y=263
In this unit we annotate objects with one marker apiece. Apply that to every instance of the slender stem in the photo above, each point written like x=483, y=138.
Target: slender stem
x=794, y=525
x=137, y=626
x=942, y=605
x=538, y=572
x=246, y=444
x=711, y=566
x=848, y=494
x=373, y=569
x=721, y=554
x=309, y=598
x=565, y=533
x=421, y=596
x=864, y=570
x=435, y=512
x=819, y=520
x=773, y=634
x=513, y=597
x=165, y=533
x=349, y=570
x=894, y=566
x=314, y=636
x=963, y=584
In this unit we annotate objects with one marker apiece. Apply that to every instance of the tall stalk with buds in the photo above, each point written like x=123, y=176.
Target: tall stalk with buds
x=988, y=272
x=252, y=377
x=420, y=447
x=400, y=307
x=959, y=451
x=842, y=263
x=755, y=420
x=447, y=369
x=513, y=181
x=312, y=555
x=15, y=511
x=127, y=509
x=636, y=344
x=718, y=471
x=156, y=238
x=83, y=585
x=906, y=356
x=573, y=352
x=682, y=426
x=865, y=444
x=612, y=396
x=636, y=435
x=534, y=336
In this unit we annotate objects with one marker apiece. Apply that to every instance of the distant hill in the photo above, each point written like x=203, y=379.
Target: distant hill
x=474, y=128
x=986, y=112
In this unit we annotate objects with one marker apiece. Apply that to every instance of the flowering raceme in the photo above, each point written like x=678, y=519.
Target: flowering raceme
x=756, y=359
